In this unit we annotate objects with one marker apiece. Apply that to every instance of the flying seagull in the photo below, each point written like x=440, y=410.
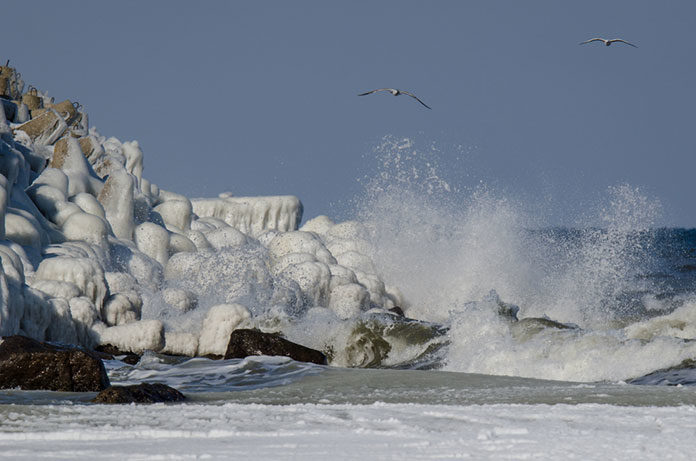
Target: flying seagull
x=608, y=42
x=396, y=92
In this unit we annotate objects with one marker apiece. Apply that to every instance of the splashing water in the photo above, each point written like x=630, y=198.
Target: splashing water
x=447, y=251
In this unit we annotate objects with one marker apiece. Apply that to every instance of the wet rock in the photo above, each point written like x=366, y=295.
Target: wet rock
x=398, y=311
x=246, y=342
x=114, y=352
x=31, y=365
x=526, y=328
x=140, y=393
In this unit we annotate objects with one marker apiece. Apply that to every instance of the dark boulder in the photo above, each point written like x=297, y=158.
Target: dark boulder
x=114, y=352
x=245, y=342
x=32, y=365
x=139, y=393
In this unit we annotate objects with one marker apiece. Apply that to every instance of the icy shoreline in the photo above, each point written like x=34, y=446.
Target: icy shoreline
x=93, y=253
x=377, y=431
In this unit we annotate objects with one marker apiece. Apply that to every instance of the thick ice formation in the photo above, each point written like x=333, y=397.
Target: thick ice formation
x=94, y=253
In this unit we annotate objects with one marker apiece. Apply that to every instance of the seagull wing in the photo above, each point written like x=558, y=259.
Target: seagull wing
x=375, y=91
x=623, y=41
x=416, y=98
x=592, y=40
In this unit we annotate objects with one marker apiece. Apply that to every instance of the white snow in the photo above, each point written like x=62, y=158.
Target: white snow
x=347, y=432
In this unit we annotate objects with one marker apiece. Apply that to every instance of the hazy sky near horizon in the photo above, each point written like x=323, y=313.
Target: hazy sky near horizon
x=260, y=97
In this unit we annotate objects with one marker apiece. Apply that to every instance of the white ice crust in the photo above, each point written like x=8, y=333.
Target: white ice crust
x=92, y=252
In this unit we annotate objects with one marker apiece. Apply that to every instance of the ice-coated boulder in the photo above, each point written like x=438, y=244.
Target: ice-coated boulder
x=219, y=323
x=85, y=273
x=176, y=213
x=291, y=259
x=177, y=343
x=356, y=261
x=120, y=308
x=153, y=240
x=134, y=158
x=21, y=227
x=4, y=197
x=180, y=299
x=62, y=328
x=180, y=243
x=81, y=176
x=252, y=215
x=198, y=239
x=56, y=288
x=319, y=225
x=87, y=228
x=225, y=237
x=117, y=199
x=313, y=279
x=341, y=275
x=38, y=313
x=89, y=204
x=300, y=242
x=134, y=337
x=226, y=276
x=146, y=271
x=11, y=307
x=349, y=300
x=84, y=315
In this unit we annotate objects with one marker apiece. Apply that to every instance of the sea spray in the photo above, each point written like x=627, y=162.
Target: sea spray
x=447, y=249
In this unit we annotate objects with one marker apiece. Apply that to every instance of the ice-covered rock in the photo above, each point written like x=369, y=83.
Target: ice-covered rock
x=134, y=337
x=81, y=176
x=217, y=327
x=62, y=328
x=134, y=158
x=176, y=213
x=177, y=343
x=225, y=237
x=319, y=225
x=313, y=278
x=117, y=199
x=84, y=273
x=21, y=227
x=120, y=308
x=153, y=240
x=38, y=313
x=300, y=242
x=180, y=299
x=349, y=300
x=89, y=204
x=252, y=215
x=84, y=314
x=88, y=228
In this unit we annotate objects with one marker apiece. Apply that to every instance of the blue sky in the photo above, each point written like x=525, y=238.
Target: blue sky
x=259, y=98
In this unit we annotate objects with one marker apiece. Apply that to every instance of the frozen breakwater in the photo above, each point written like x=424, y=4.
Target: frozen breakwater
x=93, y=253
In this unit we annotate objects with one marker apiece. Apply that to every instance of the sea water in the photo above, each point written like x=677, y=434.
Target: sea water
x=520, y=340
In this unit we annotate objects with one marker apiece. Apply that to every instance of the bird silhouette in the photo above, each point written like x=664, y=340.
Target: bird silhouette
x=396, y=92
